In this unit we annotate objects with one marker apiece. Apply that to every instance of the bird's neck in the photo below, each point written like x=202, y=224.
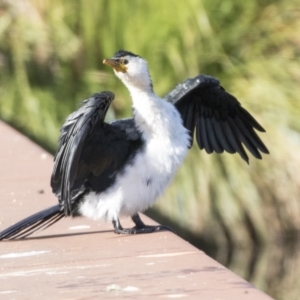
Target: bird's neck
x=147, y=109
x=153, y=116
x=143, y=99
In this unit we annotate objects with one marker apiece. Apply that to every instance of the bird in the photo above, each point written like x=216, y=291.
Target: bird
x=104, y=170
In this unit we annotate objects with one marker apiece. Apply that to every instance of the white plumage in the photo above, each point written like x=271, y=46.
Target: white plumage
x=166, y=144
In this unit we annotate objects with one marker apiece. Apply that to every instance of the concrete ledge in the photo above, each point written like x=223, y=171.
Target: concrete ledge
x=83, y=259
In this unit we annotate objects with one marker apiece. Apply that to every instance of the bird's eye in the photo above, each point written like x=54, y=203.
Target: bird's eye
x=125, y=61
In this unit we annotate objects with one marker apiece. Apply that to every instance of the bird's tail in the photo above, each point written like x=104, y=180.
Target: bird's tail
x=33, y=223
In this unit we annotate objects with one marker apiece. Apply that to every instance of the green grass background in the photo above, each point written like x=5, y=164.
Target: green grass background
x=51, y=54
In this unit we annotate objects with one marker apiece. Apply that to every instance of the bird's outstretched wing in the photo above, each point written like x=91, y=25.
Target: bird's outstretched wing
x=220, y=121
x=90, y=151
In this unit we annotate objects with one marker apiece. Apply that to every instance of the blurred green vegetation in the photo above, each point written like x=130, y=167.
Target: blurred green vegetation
x=51, y=56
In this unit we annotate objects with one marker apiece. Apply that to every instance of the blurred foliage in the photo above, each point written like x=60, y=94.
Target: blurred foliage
x=51, y=56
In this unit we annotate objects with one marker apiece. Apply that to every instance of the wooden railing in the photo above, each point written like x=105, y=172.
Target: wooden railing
x=83, y=259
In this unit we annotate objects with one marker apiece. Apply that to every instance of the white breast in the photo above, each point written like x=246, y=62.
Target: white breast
x=144, y=180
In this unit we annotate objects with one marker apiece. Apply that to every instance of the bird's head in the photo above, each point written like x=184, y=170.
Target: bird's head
x=131, y=69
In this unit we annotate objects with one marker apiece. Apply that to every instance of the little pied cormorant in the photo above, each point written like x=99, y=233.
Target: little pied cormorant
x=106, y=170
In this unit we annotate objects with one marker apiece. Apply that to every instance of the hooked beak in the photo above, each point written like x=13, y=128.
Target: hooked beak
x=117, y=64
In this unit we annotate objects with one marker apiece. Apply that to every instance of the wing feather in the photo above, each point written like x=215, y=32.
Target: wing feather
x=220, y=121
x=74, y=134
x=204, y=137
x=251, y=134
x=246, y=116
x=199, y=136
x=212, y=137
x=223, y=140
x=241, y=137
x=234, y=141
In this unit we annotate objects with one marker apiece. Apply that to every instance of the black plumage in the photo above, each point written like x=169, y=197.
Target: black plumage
x=38, y=221
x=123, y=53
x=91, y=152
x=221, y=123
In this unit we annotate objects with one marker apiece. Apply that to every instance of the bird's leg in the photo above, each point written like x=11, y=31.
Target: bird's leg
x=117, y=226
x=139, y=227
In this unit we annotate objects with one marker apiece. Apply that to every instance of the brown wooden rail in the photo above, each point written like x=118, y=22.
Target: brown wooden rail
x=83, y=259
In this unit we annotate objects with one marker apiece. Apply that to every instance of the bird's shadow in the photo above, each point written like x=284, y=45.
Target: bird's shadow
x=54, y=236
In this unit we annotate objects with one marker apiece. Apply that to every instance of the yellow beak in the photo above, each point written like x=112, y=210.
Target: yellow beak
x=116, y=64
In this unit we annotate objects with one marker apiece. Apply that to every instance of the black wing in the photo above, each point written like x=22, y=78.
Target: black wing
x=90, y=151
x=221, y=122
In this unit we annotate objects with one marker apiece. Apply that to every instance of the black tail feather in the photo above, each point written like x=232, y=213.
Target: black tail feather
x=39, y=221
